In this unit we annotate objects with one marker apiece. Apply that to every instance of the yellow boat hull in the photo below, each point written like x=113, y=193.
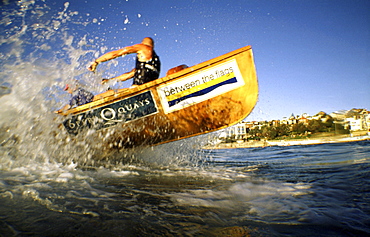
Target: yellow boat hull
x=196, y=100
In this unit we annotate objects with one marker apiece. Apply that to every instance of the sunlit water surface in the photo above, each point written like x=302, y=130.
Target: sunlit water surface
x=319, y=190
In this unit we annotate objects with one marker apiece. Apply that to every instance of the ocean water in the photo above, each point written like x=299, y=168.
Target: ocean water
x=55, y=185
x=315, y=190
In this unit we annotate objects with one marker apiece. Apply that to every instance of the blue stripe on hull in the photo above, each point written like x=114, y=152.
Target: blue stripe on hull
x=202, y=92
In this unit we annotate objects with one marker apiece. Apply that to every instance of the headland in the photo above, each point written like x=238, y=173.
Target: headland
x=318, y=139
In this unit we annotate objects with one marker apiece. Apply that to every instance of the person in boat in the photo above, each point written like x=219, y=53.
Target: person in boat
x=147, y=66
x=80, y=96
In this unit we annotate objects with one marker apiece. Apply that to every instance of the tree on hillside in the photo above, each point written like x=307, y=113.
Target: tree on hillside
x=329, y=124
x=282, y=130
x=268, y=132
x=321, y=114
x=255, y=133
x=313, y=126
x=299, y=128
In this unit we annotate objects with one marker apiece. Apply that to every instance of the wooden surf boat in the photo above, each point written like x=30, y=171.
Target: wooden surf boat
x=191, y=101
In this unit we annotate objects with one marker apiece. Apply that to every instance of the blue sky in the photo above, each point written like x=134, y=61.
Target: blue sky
x=310, y=55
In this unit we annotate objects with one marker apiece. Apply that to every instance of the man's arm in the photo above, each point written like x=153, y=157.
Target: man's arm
x=106, y=57
x=123, y=77
x=114, y=54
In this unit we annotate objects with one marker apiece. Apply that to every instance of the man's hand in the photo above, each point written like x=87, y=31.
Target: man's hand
x=64, y=109
x=93, y=66
x=103, y=81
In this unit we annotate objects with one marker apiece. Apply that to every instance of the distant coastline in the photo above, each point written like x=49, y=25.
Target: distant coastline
x=291, y=142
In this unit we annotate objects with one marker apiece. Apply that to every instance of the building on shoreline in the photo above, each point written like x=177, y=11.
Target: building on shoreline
x=354, y=119
x=350, y=120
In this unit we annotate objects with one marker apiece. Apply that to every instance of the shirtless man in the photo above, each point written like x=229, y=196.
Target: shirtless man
x=147, y=67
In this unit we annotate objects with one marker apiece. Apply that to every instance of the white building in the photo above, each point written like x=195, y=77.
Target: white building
x=355, y=124
x=237, y=131
x=367, y=123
